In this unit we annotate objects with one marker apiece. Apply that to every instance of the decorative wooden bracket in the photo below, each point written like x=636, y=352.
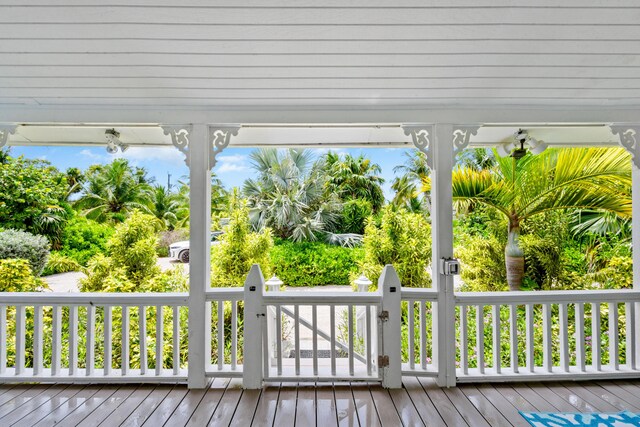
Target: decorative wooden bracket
x=219, y=136
x=629, y=135
x=462, y=135
x=421, y=135
x=179, y=138
x=5, y=131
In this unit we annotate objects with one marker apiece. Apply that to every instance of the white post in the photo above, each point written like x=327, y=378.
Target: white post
x=391, y=300
x=252, y=373
x=272, y=285
x=199, y=252
x=635, y=240
x=442, y=243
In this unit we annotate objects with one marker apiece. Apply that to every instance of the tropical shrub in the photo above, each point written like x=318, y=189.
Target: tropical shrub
x=16, y=276
x=239, y=248
x=481, y=262
x=83, y=238
x=16, y=244
x=402, y=239
x=59, y=263
x=314, y=263
x=354, y=216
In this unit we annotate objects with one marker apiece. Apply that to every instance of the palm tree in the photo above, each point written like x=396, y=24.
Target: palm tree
x=355, y=178
x=111, y=191
x=407, y=186
x=288, y=194
x=165, y=206
x=596, y=179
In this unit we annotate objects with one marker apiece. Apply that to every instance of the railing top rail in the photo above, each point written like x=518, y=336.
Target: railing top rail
x=425, y=294
x=324, y=298
x=93, y=298
x=224, y=294
x=523, y=297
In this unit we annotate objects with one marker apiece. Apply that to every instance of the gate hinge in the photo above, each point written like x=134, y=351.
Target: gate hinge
x=383, y=361
x=384, y=315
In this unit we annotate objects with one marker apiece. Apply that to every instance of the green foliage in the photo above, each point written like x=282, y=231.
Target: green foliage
x=354, y=215
x=314, y=263
x=32, y=195
x=16, y=276
x=16, y=244
x=354, y=178
x=83, y=238
x=482, y=262
x=131, y=264
x=402, y=239
x=239, y=248
x=59, y=263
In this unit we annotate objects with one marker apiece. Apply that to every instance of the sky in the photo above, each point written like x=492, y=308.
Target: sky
x=233, y=167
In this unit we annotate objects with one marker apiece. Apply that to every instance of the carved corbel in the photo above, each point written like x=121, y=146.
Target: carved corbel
x=629, y=140
x=421, y=135
x=5, y=131
x=461, y=136
x=219, y=137
x=179, y=138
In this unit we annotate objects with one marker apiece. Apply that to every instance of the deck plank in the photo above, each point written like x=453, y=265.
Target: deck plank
x=22, y=393
x=506, y=408
x=534, y=399
x=142, y=411
x=406, y=410
x=443, y=405
x=580, y=404
x=547, y=395
x=484, y=406
x=209, y=402
x=28, y=401
x=610, y=398
x=326, y=411
x=246, y=408
x=54, y=417
x=89, y=406
x=467, y=410
x=345, y=405
x=266, y=408
x=164, y=411
x=186, y=407
x=286, y=409
x=621, y=393
x=384, y=405
x=228, y=403
x=42, y=404
x=365, y=406
x=601, y=404
x=422, y=402
x=306, y=407
x=114, y=409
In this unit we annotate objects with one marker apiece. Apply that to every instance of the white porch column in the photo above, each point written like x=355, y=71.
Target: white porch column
x=199, y=253
x=442, y=244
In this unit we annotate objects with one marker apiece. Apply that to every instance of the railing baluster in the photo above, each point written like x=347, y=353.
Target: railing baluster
x=3, y=339
x=480, y=337
x=613, y=336
x=350, y=332
x=332, y=326
x=423, y=335
x=497, y=360
x=56, y=340
x=142, y=322
x=90, y=340
x=220, y=327
x=314, y=317
x=296, y=326
x=37, y=340
x=73, y=339
x=367, y=342
x=108, y=333
x=411, y=306
x=279, y=339
x=595, y=336
x=20, y=338
x=530, y=360
x=464, y=340
x=630, y=332
x=125, y=340
x=564, y=337
x=579, y=319
x=513, y=335
x=176, y=340
x=159, y=339
x=234, y=334
x=546, y=338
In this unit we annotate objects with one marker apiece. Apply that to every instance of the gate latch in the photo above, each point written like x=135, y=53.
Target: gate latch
x=384, y=315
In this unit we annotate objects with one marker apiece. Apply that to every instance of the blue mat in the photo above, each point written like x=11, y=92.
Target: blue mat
x=550, y=419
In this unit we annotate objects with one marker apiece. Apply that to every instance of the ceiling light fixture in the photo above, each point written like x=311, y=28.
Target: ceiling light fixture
x=517, y=149
x=113, y=141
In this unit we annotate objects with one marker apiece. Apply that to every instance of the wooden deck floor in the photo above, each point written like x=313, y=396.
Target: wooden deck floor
x=224, y=403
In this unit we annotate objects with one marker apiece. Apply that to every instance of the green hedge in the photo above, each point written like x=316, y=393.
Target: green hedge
x=83, y=238
x=314, y=263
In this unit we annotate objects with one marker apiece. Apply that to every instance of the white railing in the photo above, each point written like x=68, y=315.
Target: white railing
x=225, y=323
x=92, y=337
x=419, y=350
x=546, y=335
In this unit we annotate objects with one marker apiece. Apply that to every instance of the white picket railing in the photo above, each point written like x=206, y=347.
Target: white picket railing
x=419, y=350
x=224, y=321
x=72, y=324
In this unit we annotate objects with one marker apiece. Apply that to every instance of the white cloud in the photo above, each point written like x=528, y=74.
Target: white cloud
x=161, y=154
x=232, y=163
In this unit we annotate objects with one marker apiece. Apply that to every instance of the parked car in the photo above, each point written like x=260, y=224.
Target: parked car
x=180, y=250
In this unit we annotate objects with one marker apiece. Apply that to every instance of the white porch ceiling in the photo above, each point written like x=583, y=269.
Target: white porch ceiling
x=308, y=54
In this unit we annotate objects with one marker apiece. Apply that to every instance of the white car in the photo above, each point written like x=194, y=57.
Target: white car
x=180, y=250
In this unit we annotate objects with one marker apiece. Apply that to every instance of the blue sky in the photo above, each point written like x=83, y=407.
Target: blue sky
x=233, y=165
